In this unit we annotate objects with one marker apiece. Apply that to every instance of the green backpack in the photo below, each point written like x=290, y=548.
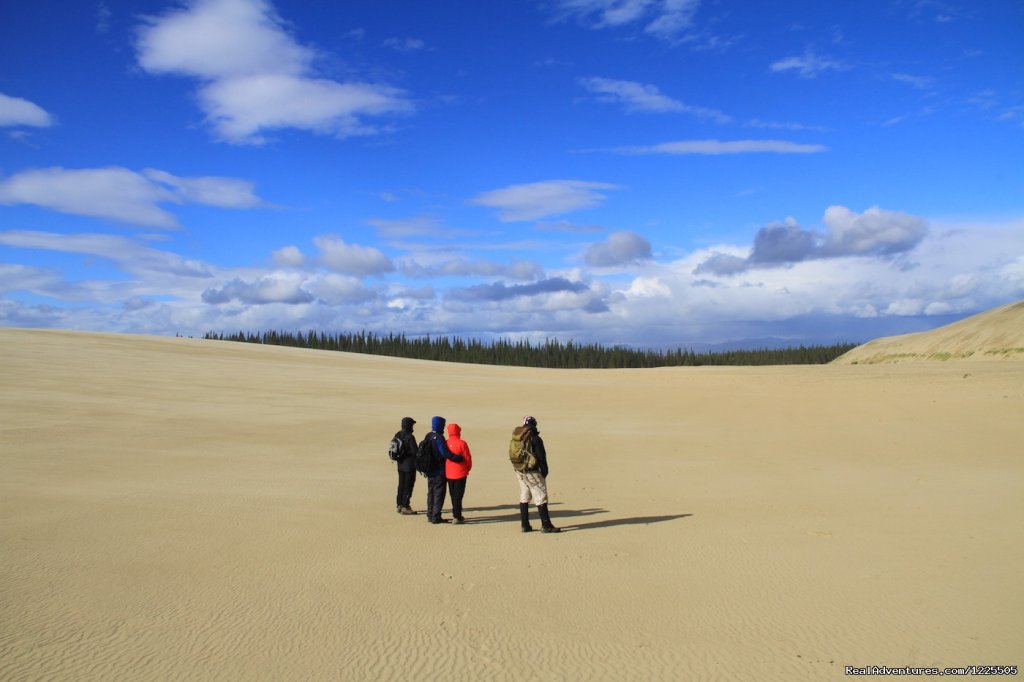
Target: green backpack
x=520, y=450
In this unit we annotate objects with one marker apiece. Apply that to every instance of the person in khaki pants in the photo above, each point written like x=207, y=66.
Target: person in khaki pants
x=533, y=483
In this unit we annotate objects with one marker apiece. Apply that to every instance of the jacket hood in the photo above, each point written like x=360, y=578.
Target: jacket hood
x=407, y=423
x=437, y=424
x=454, y=430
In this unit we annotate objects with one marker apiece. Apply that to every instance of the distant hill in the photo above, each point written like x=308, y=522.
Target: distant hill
x=997, y=334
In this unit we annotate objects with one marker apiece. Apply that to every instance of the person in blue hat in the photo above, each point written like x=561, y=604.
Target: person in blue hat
x=437, y=482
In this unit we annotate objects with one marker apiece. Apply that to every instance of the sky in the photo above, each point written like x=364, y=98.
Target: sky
x=647, y=173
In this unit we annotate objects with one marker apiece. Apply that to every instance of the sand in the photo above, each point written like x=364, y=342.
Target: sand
x=996, y=334
x=188, y=509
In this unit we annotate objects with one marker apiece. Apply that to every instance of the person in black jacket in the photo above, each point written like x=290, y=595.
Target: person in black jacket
x=533, y=483
x=436, y=480
x=406, y=466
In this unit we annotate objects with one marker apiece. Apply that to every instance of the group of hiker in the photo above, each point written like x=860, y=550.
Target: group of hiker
x=446, y=462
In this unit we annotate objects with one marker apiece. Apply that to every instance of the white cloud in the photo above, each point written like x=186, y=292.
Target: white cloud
x=418, y=267
x=121, y=194
x=960, y=269
x=277, y=287
x=15, y=111
x=351, y=259
x=255, y=76
x=809, y=65
x=213, y=39
x=918, y=82
x=541, y=199
x=111, y=193
x=621, y=248
x=645, y=98
x=875, y=231
x=665, y=19
x=240, y=108
x=405, y=44
x=715, y=147
x=131, y=255
x=289, y=256
x=420, y=226
x=211, y=191
x=673, y=17
x=334, y=289
x=14, y=277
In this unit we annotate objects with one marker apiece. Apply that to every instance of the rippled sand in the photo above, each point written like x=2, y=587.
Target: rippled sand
x=188, y=509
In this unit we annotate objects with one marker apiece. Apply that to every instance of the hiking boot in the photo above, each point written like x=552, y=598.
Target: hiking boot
x=406, y=511
x=458, y=520
x=524, y=517
x=545, y=521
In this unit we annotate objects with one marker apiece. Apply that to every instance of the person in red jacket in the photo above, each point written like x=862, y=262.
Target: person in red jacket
x=457, y=472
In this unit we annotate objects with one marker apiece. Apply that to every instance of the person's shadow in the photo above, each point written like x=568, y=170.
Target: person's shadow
x=566, y=516
x=630, y=521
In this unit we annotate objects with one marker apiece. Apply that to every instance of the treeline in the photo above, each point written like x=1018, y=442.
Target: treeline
x=551, y=353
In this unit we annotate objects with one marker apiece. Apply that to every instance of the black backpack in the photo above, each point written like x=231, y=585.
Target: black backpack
x=395, y=447
x=427, y=458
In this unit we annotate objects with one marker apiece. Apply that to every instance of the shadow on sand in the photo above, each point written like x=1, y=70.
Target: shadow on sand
x=564, y=518
x=631, y=521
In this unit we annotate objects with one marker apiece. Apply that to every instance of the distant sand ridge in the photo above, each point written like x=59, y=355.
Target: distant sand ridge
x=188, y=509
x=993, y=335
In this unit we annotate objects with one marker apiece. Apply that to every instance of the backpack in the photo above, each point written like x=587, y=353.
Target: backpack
x=395, y=448
x=520, y=450
x=427, y=458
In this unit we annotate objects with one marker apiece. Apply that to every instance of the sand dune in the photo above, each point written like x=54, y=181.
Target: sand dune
x=188, y=509
x=993, y=335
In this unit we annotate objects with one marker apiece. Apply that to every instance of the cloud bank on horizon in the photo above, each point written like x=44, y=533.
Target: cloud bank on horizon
x=657, y=173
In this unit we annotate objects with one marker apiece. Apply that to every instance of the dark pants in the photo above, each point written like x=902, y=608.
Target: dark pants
x=457, y=487
x=435, y=497
x=406, y=482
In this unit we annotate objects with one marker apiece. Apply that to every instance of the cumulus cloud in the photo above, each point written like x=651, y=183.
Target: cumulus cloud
x=15, y=111
x=289, y=256
x=721, y=264
x=716, y=147
x=255, y=76
x=335, y=289
x=875, y=232
x=645, y=98
x=121, y=194
x=499, y=291
x=621, y=248
x=272, y=288
x=541, y=199
x=784, y=242
x=351, y=259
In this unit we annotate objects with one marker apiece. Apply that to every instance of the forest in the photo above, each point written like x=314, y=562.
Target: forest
x=521, y=353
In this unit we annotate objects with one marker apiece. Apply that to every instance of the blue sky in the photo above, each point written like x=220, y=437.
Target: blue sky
x=659, y=173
